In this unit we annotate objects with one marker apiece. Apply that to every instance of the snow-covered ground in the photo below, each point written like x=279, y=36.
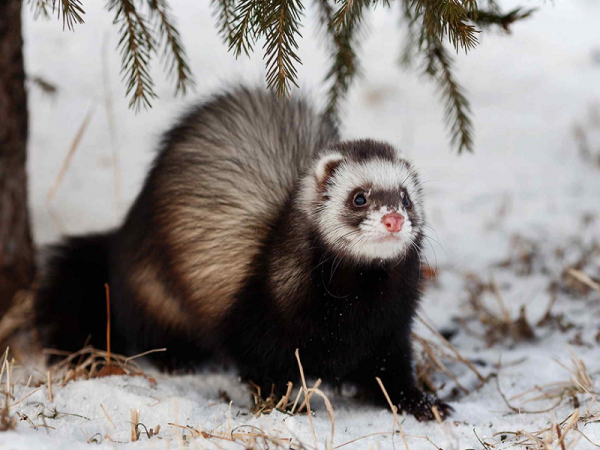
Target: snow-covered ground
x=526, y=197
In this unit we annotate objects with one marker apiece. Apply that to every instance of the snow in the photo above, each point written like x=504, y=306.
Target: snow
x=527, y=178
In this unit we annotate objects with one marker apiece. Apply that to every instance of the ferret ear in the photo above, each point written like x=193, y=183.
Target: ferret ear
x=326, y=167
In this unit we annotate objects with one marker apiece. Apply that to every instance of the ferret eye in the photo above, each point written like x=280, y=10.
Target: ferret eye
x=406, y=201
x=360, y=200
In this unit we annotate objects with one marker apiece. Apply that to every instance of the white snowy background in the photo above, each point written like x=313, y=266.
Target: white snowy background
x=528, y=90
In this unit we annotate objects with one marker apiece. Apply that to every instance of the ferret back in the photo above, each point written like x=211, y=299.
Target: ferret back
x=220, y=180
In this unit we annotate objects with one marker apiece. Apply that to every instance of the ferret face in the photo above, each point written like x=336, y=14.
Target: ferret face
x=367, y=203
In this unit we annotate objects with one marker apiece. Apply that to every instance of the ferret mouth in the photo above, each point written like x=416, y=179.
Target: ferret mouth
x=388, y=238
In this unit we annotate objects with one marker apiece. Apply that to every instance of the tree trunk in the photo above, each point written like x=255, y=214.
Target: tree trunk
x=17, y=264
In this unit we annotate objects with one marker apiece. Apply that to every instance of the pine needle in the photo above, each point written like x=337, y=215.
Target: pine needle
x=224, y=14
x=70, y=10
x=40, y=8
x=136, y=46
x=281, y=28
x=243, y=25
x=343, y=43
x=457, y=107
x=174, y=54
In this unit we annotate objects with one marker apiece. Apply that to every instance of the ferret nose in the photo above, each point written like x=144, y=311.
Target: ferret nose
x=393, y=222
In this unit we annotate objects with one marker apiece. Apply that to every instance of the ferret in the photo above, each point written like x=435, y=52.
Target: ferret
x=257, y=232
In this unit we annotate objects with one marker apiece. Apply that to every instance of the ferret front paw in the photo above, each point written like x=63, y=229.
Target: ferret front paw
x=420, y=405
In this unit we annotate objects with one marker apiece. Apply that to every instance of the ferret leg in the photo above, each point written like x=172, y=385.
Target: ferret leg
x=392, y=363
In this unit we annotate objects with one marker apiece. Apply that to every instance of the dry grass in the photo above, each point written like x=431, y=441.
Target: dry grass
x=565, y=434
x=437, y=364
x=18, y=319
x=487, y=307
x=579, y=385
x=433, y=358
x=90, y=362
x=71, y=152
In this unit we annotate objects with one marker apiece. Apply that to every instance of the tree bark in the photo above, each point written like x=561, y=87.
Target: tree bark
x=17, y=263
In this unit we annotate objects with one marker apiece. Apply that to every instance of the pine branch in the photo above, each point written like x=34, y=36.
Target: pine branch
x=345, y=66
x=40, y=8
x=349, y=14
x=136, y=46
x=490, y=18
x=224, y=12
x=245, y=28
x=457, y=109
x=281, y=26
x=174, y=54
x=412, y=44
x=70, y=11
x=44, y=85
x=441, y=18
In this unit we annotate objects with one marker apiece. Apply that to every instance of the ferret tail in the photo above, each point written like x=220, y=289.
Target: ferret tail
x=70, y=305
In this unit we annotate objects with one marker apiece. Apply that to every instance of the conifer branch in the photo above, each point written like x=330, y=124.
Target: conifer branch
x=175, y=58
x=490, y=18
x=281, y=26
x=241, y=23
x=441, y=18
x=426, y=39
x=70, y=10
x=245, y=26
x=457, y=109
x=345, y=65
x=136, y=46
x=349, y=14
x=224, y=13
x=40, y=8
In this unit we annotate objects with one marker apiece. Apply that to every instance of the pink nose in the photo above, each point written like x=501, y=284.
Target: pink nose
x=393, y=222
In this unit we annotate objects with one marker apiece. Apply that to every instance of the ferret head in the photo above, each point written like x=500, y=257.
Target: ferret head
x=364, y=198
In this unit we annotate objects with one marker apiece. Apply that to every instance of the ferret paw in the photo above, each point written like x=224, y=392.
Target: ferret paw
x=421, y=406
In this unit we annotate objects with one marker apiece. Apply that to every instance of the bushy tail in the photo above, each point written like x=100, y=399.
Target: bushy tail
x=71, y=301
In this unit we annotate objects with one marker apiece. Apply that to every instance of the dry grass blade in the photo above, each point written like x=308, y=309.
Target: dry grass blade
x=553, y=437
x=305, y=390
x=107, y=288
x=107, y=416
x=7, y=422
x=71, y=153
x=394, y=409
x=452, y=349
x=580, y=383
x=497, y=322
x=89, y=363
x=110, y=117
x=423, y=373
x=282, y=404
x=307, y=398
x=18, y=317
x=135, y=420
x=583, y=278
x=49, y=385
